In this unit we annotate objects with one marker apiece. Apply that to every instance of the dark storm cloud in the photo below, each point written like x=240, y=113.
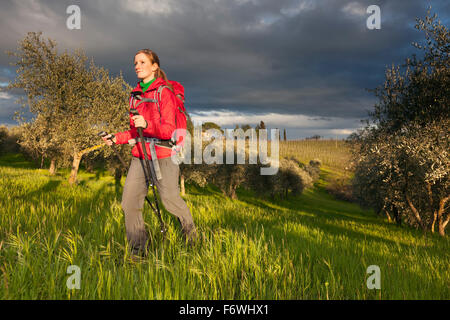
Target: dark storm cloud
x=297, y=57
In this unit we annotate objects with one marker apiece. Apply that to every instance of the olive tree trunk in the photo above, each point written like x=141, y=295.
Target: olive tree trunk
x=442, y=220
x=52, y=169
x=75, y=166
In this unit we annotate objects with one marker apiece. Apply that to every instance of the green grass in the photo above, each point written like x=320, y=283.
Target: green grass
x=308, y=247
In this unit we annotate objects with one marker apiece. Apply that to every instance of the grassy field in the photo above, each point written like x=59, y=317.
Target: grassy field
x=334, y=154
x=308, y=247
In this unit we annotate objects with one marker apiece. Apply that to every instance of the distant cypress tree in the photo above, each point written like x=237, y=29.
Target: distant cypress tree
x=259, y=126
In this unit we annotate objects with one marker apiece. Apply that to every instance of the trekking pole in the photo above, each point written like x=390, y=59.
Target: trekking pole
x=151, y=174
x=103, y=134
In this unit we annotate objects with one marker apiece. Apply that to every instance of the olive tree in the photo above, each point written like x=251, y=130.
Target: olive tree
x=71, y=100
x=401, y=157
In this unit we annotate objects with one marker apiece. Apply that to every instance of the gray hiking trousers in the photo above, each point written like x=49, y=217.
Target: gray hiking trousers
x=133, y=197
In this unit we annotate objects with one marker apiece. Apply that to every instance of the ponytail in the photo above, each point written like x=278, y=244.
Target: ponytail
x=162, y=74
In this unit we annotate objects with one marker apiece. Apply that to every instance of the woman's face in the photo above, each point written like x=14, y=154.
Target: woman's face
x=145, y=70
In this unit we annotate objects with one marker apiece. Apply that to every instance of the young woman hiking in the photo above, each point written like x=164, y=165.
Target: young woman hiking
x=157, y=121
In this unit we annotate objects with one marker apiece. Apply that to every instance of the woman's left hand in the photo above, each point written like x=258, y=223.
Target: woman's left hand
x=139, y=121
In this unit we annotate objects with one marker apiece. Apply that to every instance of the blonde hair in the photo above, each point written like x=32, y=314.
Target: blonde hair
x=155, y=59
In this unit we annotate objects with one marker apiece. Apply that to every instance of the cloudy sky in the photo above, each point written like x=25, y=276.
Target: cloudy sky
x=303, y=65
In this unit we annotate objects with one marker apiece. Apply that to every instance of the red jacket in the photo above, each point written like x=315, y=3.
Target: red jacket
x=159, y=125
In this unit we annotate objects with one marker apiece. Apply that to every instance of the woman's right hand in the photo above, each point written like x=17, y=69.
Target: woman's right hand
x=109, y=139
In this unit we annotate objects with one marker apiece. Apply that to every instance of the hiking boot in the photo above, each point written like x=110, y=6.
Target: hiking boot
x=138, y=253
x=190, y=234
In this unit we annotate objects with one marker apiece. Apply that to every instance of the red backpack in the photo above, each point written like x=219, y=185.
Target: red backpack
x=181, y=115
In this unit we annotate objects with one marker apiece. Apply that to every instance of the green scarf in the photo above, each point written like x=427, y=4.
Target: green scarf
x=144, y=86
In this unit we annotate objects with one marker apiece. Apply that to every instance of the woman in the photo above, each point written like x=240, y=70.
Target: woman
x=157, y=122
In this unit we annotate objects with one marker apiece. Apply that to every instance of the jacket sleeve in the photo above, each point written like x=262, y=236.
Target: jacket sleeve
x=164, y=124
x=124, y=136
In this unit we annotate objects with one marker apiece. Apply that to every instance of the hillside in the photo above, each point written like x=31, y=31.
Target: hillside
x=307, y=247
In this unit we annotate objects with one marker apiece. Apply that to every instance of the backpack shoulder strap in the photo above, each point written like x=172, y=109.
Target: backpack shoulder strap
x=159, y=93
x=158, y=99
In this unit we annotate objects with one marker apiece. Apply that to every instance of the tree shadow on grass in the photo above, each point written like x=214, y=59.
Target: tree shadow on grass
x=313, y=201
x=16, y=160
x=312, y=216
x=208, y=190
x=50, y=186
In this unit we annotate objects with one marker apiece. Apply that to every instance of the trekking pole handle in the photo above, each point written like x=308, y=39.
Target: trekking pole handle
x=104, y=134
x=134, y=112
